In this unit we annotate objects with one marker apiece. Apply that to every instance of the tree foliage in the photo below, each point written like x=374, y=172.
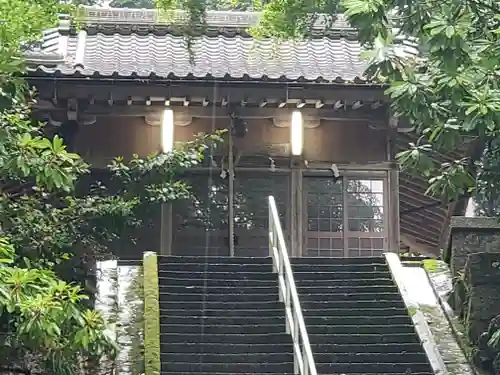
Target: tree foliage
x=50, y=226
x=47, y=317
x=441, y=63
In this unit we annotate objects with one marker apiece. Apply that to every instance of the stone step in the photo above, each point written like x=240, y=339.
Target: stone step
x=224, y=348
x=392, y=358
x=281, y=373
x=198, y=288
x=318, y=349
x=240, y=329
x=176, y=280
x=261, y=338
x=346, y=289
x=352, y=305
x=342, y=275
x=267, y=267
x=254, y=276
x=214, y=312
x=244, y=329
x=395, y=347
x=223, y=306
x=272, y=319
x=306, y=297
x=382, y=280
x=233, y=368
x=362, y=339
x=341, y=261
x=360, y=329
x=384, y=320
x=238, y=373
x=233, y=289
x=185, y=281
x=278, y=310
x=268, y=260
x=275, y=356
x=305, y=267
x=279, y=338
x=278, y=319
x=210, y=268
x=241, y=296
x=213, y=260
x=331, y=276
x=380, y=368
x=267, y=305
x=212, y=297
x=331, y=368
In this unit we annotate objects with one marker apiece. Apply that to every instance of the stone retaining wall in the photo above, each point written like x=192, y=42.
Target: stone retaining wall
x=473, y=253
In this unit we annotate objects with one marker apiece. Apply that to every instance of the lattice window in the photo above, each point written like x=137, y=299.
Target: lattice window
x=325, y=221
x=366, y=224
x=365, y=201
x=344, y=218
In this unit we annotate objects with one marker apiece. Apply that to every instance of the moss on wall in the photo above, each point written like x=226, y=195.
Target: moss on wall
x=151, y=315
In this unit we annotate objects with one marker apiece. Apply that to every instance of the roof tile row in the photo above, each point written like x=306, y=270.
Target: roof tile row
x=216, y=57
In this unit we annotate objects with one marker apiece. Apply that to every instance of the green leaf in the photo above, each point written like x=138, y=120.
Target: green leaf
x=494, y=340
x=450, y=32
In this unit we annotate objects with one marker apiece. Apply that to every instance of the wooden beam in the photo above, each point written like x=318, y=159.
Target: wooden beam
x=235, y=91
x=373, y=117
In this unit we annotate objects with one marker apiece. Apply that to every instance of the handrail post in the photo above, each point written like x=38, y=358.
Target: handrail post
x=303, y=361
x=271, y=230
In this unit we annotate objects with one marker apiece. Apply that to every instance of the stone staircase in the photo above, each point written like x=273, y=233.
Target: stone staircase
x=221, y=316
x=356, y=319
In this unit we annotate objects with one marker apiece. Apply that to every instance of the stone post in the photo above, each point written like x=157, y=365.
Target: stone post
x=469, y=235
x=473, y=252
x=152, y=361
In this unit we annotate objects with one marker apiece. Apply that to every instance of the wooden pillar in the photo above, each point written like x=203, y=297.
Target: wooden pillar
x=296, y=208
x=393, y=222
x=393, y=191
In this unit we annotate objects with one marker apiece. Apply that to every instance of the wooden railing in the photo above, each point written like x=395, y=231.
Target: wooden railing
x=303, y=358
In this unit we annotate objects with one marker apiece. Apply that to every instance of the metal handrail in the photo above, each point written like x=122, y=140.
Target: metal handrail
x=303, y=358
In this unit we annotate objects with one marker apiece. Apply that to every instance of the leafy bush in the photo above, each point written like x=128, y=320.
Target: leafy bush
x=43, y=315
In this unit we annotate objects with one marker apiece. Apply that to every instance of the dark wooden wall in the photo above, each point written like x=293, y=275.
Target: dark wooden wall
x=329, y=142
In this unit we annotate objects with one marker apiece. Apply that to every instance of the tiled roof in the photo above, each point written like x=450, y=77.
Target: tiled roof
x=214, y=57
x=128, y=50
